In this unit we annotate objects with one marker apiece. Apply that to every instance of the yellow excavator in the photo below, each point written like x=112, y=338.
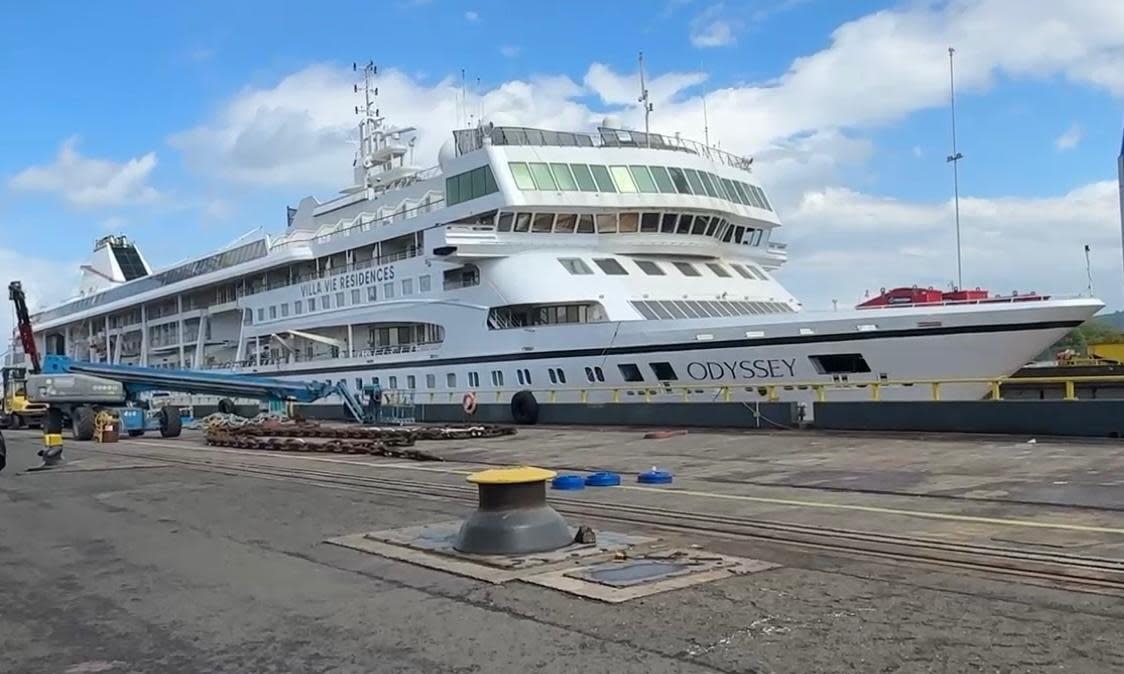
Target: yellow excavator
x=15, y=410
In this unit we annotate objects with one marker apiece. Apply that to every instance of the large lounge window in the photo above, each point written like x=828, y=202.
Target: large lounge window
x=695, y=181
x=840, y=363
x=471, y=185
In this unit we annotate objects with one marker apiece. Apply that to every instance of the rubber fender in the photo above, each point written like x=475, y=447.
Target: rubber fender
x=227, y=406
x=524, y=408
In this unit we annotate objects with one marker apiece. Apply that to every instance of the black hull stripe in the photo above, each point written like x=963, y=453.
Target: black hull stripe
x=692, y=346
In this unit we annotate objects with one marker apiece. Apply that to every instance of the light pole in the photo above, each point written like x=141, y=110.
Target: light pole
x=954, y=159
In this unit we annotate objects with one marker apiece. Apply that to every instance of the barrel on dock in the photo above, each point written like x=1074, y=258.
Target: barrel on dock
x=513, y=517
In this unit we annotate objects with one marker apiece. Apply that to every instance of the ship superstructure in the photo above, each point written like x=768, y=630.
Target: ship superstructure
x=531, y=259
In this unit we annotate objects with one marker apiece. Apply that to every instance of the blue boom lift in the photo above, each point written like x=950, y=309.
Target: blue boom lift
x=75, y=391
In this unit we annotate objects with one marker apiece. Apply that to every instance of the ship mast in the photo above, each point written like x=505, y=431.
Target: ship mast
x=644, y=101
x=368, y=122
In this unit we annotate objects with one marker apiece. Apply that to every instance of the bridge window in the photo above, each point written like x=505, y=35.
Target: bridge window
x=575, y=266
x=684, y=224
x=623, y=178
x=696, y=182
x=585, y=223
x=663, y=371
x=840, y=363
x=701, y=223
x=563, y=177
x=584, y=178
x=603, y=179
x=544, y=180
x=650, y=268
x=642, y=178
x=630, y=372
x=663, y=179
x=522, y=175
x=680, y=180
x=610, y=266
x=503, y=224
x=650, y=222
x=606, y=223
x=522, y=222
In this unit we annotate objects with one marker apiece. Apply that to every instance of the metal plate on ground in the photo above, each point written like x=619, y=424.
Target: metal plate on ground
x=646, y=574
x=431, y=545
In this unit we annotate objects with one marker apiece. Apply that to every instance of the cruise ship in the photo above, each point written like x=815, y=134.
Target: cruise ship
x=579, y=266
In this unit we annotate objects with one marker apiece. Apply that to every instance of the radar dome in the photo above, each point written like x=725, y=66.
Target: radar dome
x=446, y=154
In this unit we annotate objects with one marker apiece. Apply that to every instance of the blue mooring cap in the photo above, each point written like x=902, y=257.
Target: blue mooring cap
x=654, y=477
x=603, y=480
x=568, y=482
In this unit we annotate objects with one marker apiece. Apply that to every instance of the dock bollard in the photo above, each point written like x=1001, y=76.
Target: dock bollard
x=513, y=517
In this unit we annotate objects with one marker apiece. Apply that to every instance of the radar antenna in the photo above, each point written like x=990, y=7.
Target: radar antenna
x=647, y=105
x=370, y=120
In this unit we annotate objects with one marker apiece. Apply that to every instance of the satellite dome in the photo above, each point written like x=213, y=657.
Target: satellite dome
x=446, y=154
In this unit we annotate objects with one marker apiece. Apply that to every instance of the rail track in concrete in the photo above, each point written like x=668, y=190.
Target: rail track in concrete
x=1099, y=575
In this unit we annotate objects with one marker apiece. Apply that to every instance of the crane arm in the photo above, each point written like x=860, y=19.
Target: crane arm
x=23, y=324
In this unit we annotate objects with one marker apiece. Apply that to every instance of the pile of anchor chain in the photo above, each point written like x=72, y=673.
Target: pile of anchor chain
x=272, y=433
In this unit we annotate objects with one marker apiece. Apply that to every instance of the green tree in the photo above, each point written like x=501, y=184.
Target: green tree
x=1091, y=331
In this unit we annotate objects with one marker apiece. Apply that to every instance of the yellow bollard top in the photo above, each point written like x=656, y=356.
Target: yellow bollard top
x=519, y=475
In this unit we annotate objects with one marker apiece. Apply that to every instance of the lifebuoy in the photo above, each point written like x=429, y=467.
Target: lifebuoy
x=468, y=403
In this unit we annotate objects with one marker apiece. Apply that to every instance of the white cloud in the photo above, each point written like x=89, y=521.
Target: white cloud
x=1070, y=137
x=846, y=243
x=510, y=51
x=86, y=182
x=711, y=29
x=45, y=282
x=471, y=16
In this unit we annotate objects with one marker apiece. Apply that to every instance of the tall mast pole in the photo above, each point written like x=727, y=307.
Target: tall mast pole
x=954, y=159
x=644, y=102
x=706, y=124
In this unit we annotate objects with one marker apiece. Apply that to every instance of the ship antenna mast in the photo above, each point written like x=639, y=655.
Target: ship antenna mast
x=644, y=101
x=954, y=159
x=370, y=116
x=706, y=124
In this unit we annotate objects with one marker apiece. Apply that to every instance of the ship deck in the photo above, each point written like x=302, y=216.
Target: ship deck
x=889, y=552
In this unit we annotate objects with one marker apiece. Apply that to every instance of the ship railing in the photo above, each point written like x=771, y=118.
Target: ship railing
x=412, y=251
x=296, y=358
x=362, y=222
x=468, y=140
x=987, y=388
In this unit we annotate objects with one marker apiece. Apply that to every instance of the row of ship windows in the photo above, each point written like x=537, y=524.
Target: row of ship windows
x=662, y=371
x=627, y=223
x=339, y=300
x=542, y=176
x=470, y=185
x=657, y=310
x=612, y=267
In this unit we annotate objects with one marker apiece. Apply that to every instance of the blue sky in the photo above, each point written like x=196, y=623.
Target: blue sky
x=184, y=125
